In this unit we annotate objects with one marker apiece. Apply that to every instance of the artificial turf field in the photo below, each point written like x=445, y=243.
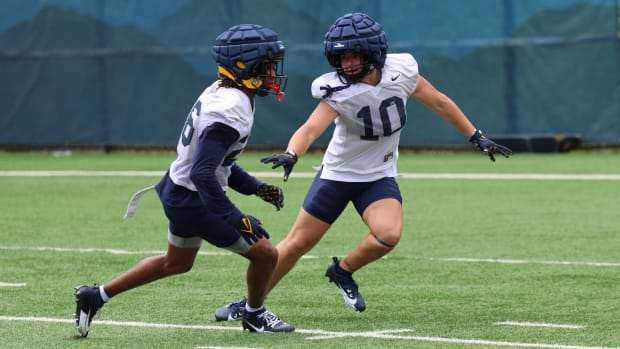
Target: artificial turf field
x=520, y=253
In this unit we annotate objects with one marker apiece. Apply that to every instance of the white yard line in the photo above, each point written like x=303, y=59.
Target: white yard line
x=81, y=173
x=205, y=252
x=277, y=174
x=316, y=334
x=12, y=284
x=105, y=250
x=522, y=176
x=523, y=261
x=538, y=324
x=211, y=347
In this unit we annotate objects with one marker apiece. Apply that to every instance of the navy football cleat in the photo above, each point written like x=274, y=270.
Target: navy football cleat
x=88, y=303
x=231, y=311
x=347, y=286
x=264, y=321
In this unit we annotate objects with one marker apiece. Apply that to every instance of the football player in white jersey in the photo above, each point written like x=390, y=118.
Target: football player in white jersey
x=193, y=191
x=365, y=97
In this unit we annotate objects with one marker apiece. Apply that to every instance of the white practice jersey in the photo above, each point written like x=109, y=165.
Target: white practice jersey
x=228, y=106
x=364, y=145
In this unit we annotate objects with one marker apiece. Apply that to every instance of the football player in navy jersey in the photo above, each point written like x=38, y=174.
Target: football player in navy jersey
x=365, y=97
x=193, y=191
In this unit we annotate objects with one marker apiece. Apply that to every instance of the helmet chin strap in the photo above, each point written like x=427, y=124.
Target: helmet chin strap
x=366, y=69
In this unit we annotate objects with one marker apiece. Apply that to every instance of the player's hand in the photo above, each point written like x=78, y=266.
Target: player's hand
x=251, y=229
x=286, y=160
x=488, y=146
x=271, y=194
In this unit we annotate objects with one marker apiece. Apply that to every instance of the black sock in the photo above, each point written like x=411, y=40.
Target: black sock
x=341, y=271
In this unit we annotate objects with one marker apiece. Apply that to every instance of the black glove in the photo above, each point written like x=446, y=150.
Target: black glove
x=286, y=160
x=250, y=229
x=271, y=194
x=488, y=146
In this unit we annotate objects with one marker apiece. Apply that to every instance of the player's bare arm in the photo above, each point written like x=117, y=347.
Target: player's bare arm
x=318, y=121
x=443, y=106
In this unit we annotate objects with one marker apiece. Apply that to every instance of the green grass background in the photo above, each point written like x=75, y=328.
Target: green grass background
x=413, y=288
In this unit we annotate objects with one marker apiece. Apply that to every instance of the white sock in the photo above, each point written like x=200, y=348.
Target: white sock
x=249, y=309
x=103, y=295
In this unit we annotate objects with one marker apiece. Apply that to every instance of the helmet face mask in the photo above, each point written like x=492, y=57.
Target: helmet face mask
x=270, y=73
x=353, y=73
x=356, y=33
x=243, y=54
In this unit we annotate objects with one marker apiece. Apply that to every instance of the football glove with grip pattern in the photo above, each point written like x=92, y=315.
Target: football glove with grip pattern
x=488, y=146
x=271, y=194
x=251, y=229
x=287, y=160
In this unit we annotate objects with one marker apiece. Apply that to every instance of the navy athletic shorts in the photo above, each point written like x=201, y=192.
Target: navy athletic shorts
x=326, y=199
x=188, y=217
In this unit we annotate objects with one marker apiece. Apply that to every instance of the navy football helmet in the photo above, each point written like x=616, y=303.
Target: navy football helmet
x=356, y=33
x=249, y=54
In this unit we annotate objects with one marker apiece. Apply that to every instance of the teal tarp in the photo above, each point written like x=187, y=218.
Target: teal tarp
x=126, y=72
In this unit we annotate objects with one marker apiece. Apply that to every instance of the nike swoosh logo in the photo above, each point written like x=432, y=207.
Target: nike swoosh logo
x=393, y=78
x=257, y=329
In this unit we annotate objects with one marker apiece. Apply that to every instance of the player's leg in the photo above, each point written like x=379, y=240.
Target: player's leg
x=322, y=205
x=262, y=256
x=379, y=204
x=255, y=317
x=385, y=220
x=305, y=234
x=178, y=259
x=183, y=246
